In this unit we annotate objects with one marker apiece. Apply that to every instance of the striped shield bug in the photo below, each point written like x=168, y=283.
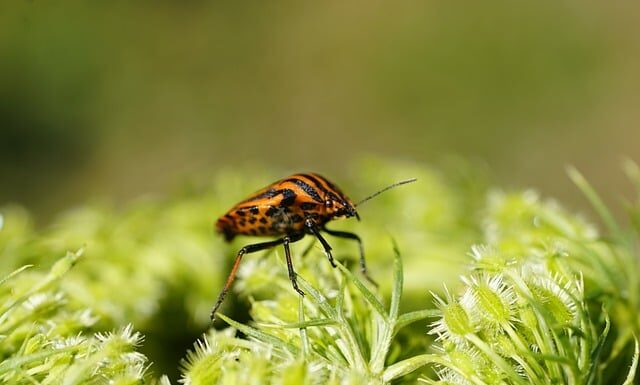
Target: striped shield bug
x=291, y=208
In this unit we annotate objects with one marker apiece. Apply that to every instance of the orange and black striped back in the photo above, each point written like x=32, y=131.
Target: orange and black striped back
x=282, y=207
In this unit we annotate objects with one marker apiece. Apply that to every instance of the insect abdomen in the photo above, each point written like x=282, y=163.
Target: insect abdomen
x=248, y=220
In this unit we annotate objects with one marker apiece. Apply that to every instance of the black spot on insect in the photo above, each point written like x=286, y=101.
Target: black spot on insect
x=242, y=222
x=271, y=211
x=228, y=216
x=307, y=206
x=297, y=218
x=254, y=210
x=241, y=213
x=263, y=220
x=288, y=197
x=252, y=220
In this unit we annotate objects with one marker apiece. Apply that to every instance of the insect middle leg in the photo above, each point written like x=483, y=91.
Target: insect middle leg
x=363, y=263
x=232, y=275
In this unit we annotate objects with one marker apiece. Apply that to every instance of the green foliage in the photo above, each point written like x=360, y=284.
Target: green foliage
x=42, y=339
x=545, y=298
x=548, y=300
x=341, y=334
x=165, y=251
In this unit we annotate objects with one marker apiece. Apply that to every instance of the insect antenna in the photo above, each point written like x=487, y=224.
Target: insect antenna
x=375, y=194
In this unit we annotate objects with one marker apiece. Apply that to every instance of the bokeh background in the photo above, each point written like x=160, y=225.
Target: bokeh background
x=110, y=101
x=119, y=99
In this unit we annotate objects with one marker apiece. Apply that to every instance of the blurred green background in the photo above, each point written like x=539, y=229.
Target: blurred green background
x=108, y=101
x=118, y=99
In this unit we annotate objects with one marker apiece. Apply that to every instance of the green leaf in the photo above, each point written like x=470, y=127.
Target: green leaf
x=398, y=277
x=303, y=331
x=14, y=273
x=409, y=365
x=499, y=361
x=317, y=298
x=15, y=362
x=362, y=287
x=595, y=200
x=260, y=335
x=634, y=365
x=595, y=354
x=299, y=325
x=409, y=318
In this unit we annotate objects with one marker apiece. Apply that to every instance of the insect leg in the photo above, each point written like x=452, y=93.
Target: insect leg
x=287, y=253
x=311, y=225
x=232, y=275
x=347, y=235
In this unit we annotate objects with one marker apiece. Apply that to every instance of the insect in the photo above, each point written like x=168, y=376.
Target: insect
x=293, y=207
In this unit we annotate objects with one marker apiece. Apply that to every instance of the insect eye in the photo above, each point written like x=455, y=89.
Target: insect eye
x=328, y=203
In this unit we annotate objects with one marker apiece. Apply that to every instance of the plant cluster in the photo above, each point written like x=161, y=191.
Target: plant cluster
x=543, y=297
x=42, y=339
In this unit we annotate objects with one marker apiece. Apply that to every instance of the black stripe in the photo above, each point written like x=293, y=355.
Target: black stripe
x=316, y=182
x=306, y=188
x=267, y=194
x=332, y=186
x=335, y=198
x=334, y=193
x=327, y=181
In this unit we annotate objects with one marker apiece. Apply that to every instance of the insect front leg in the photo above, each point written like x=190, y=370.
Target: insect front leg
x=311, y=225
x=232, y=275
x=347, y=235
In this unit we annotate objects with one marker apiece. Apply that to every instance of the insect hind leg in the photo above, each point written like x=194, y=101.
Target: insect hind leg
x=232, y=275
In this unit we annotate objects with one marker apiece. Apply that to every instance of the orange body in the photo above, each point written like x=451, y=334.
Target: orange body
x=283, y=207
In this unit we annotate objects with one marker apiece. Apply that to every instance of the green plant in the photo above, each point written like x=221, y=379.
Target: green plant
x=343, y=334
x=44, y=341
x=544, y=298
x=548, y=300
